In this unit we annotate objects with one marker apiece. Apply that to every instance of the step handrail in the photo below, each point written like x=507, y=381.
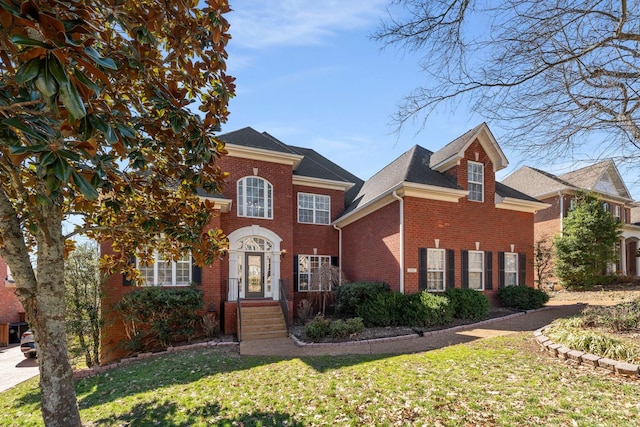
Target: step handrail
x=284, y=304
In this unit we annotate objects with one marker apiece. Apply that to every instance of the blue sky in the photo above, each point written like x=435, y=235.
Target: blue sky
x=308, y=73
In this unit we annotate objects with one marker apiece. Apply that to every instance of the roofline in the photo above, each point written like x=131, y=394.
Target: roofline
x=224, y=205
x=483, y=130
x=329, y=184
x=253, y=153
x=513, y=204
x=605, y=196
x=408, y=189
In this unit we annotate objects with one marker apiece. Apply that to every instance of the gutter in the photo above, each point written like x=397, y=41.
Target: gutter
x=561, y=211
x=401, y=200
x=339, y=251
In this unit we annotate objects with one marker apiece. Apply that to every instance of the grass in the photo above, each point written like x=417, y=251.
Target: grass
x=493, y=382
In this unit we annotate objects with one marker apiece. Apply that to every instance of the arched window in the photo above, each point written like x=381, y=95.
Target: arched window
x=255, y=198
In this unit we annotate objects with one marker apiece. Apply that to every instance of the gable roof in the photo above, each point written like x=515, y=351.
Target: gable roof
x=635, y=215
x=449, y=155
x=309, y=166
x=412, y=173
x=602, y=177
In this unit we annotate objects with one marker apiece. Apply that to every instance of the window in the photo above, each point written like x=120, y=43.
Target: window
x=165, y=272
x=314, y=208
x=314, y=273
x=618, y=213
x=476, y=270
x=435, y=269
x=255, y=198
x=476, y=181
x=8, y=280
x=510, y=269
x=572, y=204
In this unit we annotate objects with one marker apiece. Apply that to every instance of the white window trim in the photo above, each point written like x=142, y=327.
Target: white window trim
x=309, y=273
x=481, y=184
x=481, y=271
x=516, y=272
x=433, y=270
x=156, y=262
x=313, y=209
x=242, y=204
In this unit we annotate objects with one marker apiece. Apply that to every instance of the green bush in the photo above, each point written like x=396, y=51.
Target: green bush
x=522, y=297
x=345, y=328
x=468, y=303
x=350, y=295
x=438, y=308
x=618, y=318
x=396, y=309
x=156, y=316
x=355, y=325
x=317, y=328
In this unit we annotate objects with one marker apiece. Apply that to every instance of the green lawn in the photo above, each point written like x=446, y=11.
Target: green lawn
x=491, y=382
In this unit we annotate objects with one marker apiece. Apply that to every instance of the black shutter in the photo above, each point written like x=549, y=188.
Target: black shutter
x=295, y=273
x=451, y=268
x=465, y=269
x=125, y=280
x=335, y=261
x=196, y=273
x=422, y=272
x=500, y=269
x=522, y=267
x=488, y=279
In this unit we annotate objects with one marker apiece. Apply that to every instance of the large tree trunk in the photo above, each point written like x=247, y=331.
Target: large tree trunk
x=47, y=318
x=44, y=303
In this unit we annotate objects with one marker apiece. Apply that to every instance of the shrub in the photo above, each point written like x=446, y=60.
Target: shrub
x=522, y=297
x=350, y=295
x=355, y=325
x=305, y=311
x=317, y=328
x=438, y=308
x=396, y=309
x=618, y=318
x=155, y=316
x=467, y=303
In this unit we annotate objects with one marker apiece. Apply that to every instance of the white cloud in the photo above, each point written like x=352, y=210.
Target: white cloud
x=267, y=23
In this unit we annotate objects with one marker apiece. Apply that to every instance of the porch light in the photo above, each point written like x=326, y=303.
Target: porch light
x=283, y=253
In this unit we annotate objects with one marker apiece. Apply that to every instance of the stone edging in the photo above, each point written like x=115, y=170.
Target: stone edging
x=585, y=359
x=88, y=372
x=300, y=343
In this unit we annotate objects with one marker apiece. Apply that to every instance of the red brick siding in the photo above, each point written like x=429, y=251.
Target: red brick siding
x=10, y=306
x=371, y=247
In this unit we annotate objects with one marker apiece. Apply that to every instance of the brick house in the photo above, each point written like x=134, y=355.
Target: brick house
x=558, y=191
x=11, y=310
x=426, y=221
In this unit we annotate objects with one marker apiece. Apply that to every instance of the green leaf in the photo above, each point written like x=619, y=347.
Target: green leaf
x=71, y=155
x=98, y=123
x=57, y=70
x=62, y=170
x=27, y=41
x=72, y=101
x=28, y=71
x=104, y=62
x=45, y=82
x=27, y=149
x=83, y=185
x=17, y=124
x=87, y=81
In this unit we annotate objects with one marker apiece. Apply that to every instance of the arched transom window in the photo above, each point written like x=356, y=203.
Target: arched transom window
x=255, y=197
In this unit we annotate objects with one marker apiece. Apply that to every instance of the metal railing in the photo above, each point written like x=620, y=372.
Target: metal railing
x=284, y=302
x=233, y=288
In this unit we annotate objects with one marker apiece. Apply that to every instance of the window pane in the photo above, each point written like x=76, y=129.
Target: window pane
x=322, y=217
x=475, y=280
x=164, y=273
x=183, y=271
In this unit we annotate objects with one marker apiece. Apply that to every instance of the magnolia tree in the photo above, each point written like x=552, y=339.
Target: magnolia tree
x=96, y=120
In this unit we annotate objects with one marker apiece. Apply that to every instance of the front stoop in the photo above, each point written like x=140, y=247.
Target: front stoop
x=263, y=322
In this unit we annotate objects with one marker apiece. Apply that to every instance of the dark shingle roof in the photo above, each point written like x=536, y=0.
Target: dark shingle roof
x=249, y=137
x=506, y=191
x=535, y=182
x=412, y=166
x=635, y=215
x=313, y=164
x=454, y=146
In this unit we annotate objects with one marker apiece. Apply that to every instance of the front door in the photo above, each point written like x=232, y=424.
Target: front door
x=254, y=277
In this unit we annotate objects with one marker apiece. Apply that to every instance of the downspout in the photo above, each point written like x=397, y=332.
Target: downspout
x=339, y=251
x=401, y=200
x=561, y=212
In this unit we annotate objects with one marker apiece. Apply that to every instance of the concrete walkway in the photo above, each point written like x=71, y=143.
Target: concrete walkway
x=14, y=368
x=520, y=322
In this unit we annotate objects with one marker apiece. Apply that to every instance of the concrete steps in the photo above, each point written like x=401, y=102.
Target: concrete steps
x=262, y=322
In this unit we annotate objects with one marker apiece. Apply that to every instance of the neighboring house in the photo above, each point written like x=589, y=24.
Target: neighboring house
x=11, y=310
x=426, y=221
x=605, y=181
